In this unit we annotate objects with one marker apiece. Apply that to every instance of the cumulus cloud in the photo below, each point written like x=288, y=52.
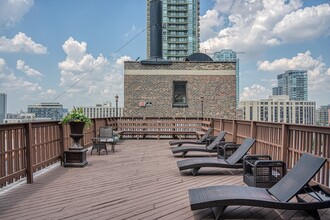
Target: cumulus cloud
x=210, y=24
x=89, y=79
x=254, y=92
x=307, y=23
x=253, y=26
x=21, y=43
x=24, y=91
x=20, y=65
x=12, y=12
x=11, y=82
x=121, y=60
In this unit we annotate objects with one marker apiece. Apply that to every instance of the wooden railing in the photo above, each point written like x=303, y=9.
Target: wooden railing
x=285, y=142
x=28, y=147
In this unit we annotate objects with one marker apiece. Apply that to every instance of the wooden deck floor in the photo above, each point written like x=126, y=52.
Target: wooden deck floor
x=139, y=181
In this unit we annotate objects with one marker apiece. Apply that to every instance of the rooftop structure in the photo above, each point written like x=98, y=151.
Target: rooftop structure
x=182, y=89
x=140, y=180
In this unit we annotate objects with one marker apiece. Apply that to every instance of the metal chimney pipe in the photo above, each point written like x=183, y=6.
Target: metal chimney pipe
x=156, y=32
x=156, y=35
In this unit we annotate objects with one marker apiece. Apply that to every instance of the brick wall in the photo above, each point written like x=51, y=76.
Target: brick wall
x=215, y=81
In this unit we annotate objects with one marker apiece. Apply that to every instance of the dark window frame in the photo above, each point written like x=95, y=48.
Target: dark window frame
x=176, y=85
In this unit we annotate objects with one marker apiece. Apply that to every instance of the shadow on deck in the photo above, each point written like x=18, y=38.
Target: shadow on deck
x=139, y=181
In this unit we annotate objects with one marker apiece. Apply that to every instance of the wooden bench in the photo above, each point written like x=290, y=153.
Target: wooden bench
x=204, y=128
x=141, y=128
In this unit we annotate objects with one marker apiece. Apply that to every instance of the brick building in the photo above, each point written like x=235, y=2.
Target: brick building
x=175, y=90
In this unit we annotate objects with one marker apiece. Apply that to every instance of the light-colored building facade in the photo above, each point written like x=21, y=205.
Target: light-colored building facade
x=323, y=115
x=176, y=90
x=3, y=106
x=228, y=55
x=23, y=118
x=180, y=28
x=279, y=109
x=105, y=110
x=53, y=110
x=292, y=83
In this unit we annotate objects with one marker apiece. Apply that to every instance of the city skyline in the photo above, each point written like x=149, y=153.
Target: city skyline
x=73, y=53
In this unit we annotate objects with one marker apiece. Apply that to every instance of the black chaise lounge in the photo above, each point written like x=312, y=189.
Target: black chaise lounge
x=212, y=147
x=293, y=184
x=234, y=161
x=202, y=140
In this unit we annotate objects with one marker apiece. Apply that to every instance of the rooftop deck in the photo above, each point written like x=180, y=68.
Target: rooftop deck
x=139, y=181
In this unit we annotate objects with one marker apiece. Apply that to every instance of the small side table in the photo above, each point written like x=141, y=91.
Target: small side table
x=226, y=149
x=262, y=171
x=101, y=143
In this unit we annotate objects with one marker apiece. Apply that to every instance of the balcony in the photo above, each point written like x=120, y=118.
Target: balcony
x=140, y=180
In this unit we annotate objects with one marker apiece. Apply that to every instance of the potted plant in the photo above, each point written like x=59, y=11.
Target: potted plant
x=76, y=155
x=76, y=115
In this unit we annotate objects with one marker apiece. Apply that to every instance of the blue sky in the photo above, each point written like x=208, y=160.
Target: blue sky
x=72, y=51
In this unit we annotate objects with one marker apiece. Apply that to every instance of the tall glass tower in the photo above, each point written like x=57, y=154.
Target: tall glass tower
x=292, y=83
x=228, y=55
x=3, y=106
x=180, y=28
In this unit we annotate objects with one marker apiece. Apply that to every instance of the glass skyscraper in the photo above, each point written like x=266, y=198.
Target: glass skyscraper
x=180, y=29
x=3, y=106
x=227, y=55
x=292, y=83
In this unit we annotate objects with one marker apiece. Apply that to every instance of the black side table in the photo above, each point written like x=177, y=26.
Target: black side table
x=262, y=171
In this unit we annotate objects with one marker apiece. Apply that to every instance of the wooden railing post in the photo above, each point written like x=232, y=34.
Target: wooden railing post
x=61, y=133
x=253, y=134
x=285, y=143
x=221, y=125
x=29, y=153
x=234, y=131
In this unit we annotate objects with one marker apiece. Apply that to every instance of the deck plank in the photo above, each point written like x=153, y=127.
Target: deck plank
x=139, y=181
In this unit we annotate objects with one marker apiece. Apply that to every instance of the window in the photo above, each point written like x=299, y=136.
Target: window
x=180, y=94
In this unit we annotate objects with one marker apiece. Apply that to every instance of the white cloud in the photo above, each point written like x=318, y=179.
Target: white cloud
x=19, y=89
x=252, y=26
x=21, y=43
x=87, y=79
x=122, y=59
x=20, y=65
x=132, y=30
x=254, y=92
x=12, y=12
x=10, y=82
x=210, y=24
x=308, y=23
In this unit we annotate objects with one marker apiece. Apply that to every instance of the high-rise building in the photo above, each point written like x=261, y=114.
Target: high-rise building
x=53, y=110
x=3, y=106
x=323, y=115
x=180, y=28
x=279, y=109
x=292, y=83
x=227, y=55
